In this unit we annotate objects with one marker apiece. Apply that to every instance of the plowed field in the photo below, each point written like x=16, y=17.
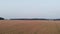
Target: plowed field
x=29, y=27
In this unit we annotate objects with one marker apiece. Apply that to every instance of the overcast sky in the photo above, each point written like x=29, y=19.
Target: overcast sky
x=30, y=8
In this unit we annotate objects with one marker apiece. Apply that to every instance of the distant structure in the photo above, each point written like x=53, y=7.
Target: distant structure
x=1, y=18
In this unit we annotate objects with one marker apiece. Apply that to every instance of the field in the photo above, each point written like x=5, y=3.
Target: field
x=29, y=27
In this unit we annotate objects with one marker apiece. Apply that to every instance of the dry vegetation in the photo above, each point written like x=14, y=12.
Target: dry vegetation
x=29, y=27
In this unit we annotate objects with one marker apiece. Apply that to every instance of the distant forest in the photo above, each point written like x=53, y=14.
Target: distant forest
x=35, y=19
x=29, y=19
x=1, y=18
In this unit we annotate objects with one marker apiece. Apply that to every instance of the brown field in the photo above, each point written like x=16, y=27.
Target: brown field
x=29, y=27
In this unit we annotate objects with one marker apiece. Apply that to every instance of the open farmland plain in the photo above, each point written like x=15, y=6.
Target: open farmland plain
x=29, y=27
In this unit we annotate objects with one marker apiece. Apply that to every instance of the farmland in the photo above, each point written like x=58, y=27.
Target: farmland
x=29, y=27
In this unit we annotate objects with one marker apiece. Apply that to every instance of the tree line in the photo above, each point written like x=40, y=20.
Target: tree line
x=1, y=18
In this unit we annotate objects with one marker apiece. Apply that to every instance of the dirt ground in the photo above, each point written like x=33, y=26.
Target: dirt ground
x=29, y=27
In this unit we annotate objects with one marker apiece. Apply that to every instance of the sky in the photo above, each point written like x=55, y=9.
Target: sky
x=30, y=9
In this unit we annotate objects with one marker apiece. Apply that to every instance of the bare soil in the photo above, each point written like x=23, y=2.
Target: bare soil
x=29, y=27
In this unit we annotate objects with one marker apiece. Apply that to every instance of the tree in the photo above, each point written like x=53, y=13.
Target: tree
x=1, y=18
